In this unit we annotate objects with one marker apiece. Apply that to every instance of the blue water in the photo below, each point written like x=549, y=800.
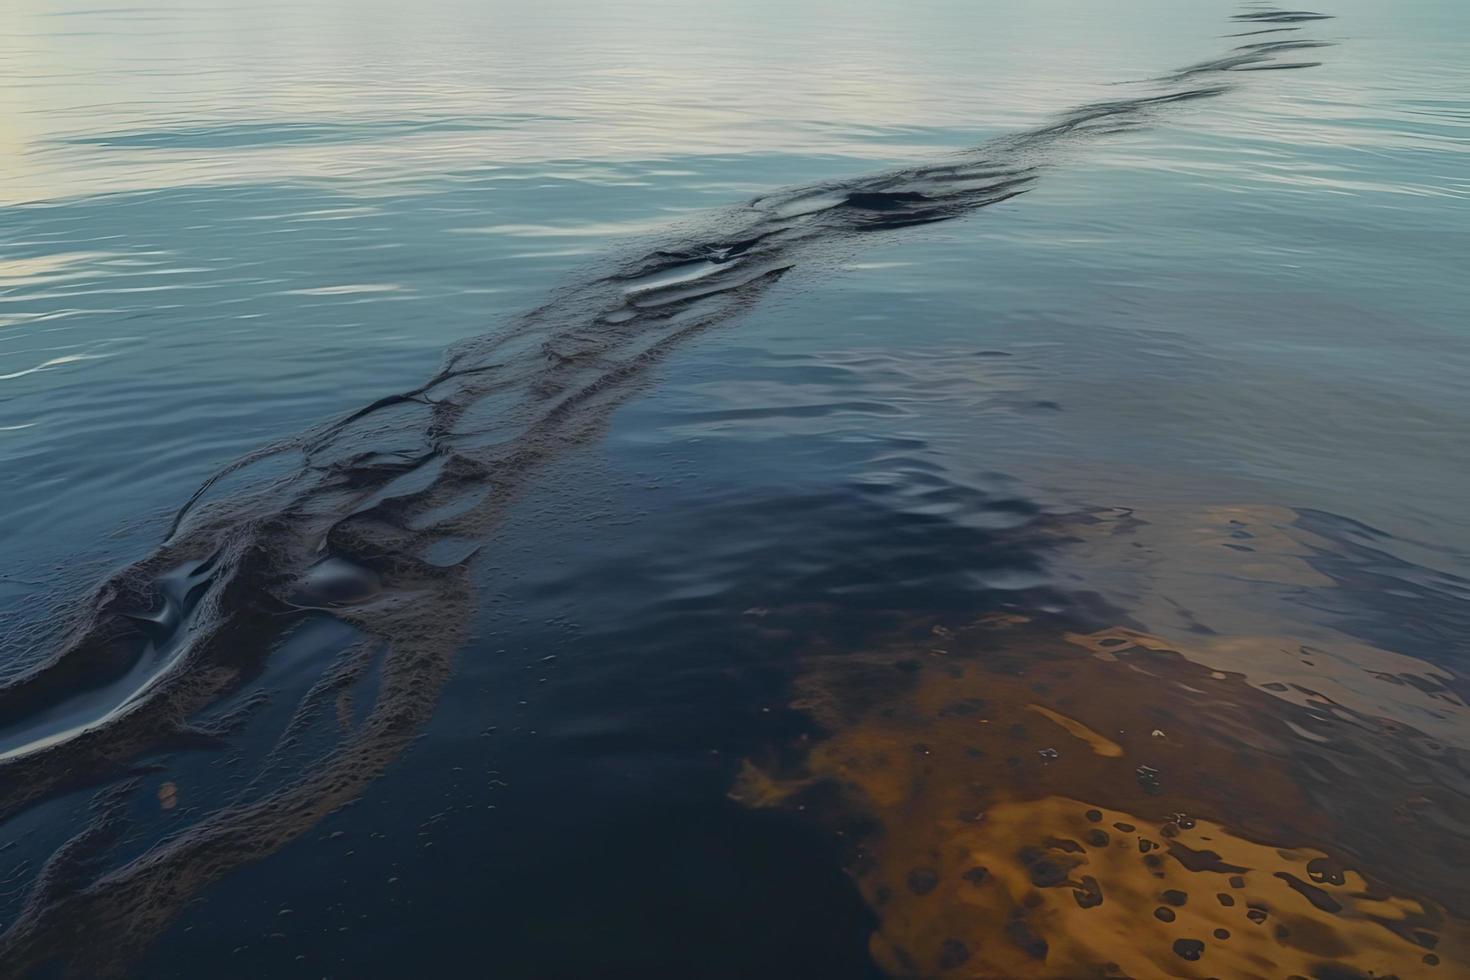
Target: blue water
x=221, y=225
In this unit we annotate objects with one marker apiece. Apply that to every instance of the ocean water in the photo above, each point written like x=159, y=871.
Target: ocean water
x=649, y=489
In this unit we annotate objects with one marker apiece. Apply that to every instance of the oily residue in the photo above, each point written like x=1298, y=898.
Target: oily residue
x=371, y=523
x=991, y=842
x=1028, y=796
x=1098, y=743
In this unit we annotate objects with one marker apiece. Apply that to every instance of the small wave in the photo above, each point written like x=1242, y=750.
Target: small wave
x=1283, y=16
x=242, y=135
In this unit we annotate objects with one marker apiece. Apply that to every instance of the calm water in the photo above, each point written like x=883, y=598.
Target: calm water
x=956, y=489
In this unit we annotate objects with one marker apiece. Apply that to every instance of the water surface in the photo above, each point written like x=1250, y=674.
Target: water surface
x=878, y=451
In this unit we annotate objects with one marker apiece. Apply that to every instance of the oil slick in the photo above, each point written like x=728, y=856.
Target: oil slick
x=1226, y=806
x=345, y=525
x=1055, y=867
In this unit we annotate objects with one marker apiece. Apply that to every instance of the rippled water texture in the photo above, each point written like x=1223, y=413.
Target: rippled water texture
x=575, y=489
